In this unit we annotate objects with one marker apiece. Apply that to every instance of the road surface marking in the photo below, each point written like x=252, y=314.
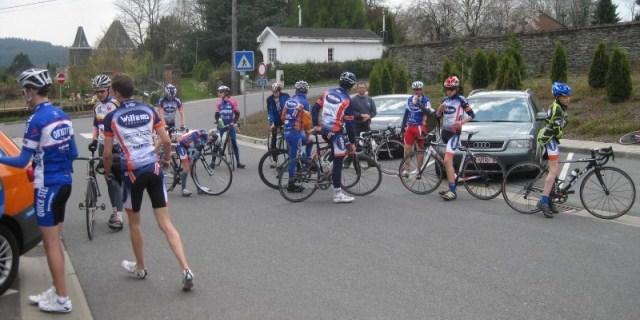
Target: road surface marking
x=566, y=166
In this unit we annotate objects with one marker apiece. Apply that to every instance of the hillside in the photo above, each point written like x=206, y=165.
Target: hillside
x=39, y=52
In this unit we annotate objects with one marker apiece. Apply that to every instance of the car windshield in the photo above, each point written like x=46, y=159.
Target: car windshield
x=492, y=109
x=390, y=106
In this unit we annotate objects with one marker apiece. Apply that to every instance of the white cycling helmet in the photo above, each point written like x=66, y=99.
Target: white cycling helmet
x=171, y=90
x=101, y=81
x=37, y=78
x=301, y=86
x=224, y=88
x=276, y=86
x=417, y=85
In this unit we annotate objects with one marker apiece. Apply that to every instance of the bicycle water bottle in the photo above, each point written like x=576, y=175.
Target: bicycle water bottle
x=220, y=123
x=569, y=179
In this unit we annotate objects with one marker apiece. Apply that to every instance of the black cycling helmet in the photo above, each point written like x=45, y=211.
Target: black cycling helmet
x=347, y=79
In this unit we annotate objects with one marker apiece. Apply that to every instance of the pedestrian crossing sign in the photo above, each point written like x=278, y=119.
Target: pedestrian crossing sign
x=243, y=61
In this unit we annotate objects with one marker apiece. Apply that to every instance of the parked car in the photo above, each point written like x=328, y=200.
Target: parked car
x=390, y=110
x=19, y=231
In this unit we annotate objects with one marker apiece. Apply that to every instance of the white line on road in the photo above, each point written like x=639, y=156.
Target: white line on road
x=9, y=292
x=566, y=166
x=87, y=135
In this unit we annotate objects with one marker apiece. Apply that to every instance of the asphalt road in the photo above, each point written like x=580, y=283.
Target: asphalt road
x=390, y=255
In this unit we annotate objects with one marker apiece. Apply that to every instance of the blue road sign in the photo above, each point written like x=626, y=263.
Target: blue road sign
x=262, y=81
x=243, y=61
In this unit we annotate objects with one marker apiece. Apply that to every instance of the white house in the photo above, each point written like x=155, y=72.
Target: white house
x=300, y=45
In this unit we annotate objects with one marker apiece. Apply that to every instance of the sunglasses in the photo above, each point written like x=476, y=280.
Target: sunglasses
x=100, y=91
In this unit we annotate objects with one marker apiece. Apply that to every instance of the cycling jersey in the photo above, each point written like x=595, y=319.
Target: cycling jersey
x=169, y=107
x=335, y=104
x=49, y=134
x=133, y=124
x=227, y=108
x=192, y=139
x=274, y=107
x=453, y=109
x=100, y=112
x=555, y=122
x=415, y=114
x=292, y=113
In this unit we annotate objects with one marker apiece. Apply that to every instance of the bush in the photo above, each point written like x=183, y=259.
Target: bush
x=480, y=71
x=222, y=75
x=509, y=78
x=619, y=85
x=400, y=79
x=387, y=76
x=513, y=48
x=447, y=70
x=559, y=64
x=312, y=72
x=492, y=65
x=375, y=80
x=599, y=67
x=202, y=70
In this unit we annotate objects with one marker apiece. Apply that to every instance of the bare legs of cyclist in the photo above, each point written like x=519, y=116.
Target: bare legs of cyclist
x=186, y=168
x=545, y=204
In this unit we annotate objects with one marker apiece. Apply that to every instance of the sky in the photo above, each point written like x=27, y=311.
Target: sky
x=56, y=21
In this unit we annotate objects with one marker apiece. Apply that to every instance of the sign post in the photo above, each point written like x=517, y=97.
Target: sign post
x=60, y=78
x=243, y=61
x=262, y=80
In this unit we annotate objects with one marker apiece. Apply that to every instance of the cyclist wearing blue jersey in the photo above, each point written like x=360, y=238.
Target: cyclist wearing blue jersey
x=227, y=111
x=133, y=125
x=169, y=105
x=275, y=103
x=414, y=122
x=293, y=112
x=186, y=143
x=48, y=138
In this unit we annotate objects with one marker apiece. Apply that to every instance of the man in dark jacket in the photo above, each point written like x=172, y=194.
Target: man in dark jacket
x=363, y=108
x=275, y=103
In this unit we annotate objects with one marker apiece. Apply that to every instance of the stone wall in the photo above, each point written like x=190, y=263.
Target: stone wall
x=537, y=48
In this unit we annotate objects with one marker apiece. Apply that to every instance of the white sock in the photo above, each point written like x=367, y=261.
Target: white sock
x=337, y=191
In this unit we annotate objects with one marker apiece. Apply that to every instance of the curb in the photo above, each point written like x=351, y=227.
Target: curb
x=253, y=140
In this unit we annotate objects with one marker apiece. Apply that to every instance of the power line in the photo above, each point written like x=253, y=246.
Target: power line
x=26, y=4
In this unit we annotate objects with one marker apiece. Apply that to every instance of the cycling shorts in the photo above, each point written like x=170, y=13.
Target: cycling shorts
x=182, y=152
x=415, y=134
x=50, y=203
x=552, y=150
x=338, y=145
x=153, y=183
x=452, y=140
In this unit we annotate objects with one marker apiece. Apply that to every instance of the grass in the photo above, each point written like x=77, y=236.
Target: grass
x=191, y=90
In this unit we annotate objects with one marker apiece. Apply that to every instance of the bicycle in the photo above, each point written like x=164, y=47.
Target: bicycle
x=524, y=183
x=382, y=146
x=212, y=177
x=92, y=193
x=422, y=171
x=630, y=138
x=361, y=174
x=224, y=147
x=272, y=160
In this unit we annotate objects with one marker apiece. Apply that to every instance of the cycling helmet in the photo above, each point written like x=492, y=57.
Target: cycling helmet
x=171, y=90
x=560, y=89
x=212, y=135
x=417, y=85
x=347, y=79
x=203, y=134
x=301, y=86
x=37, y=78
x=101, y=81
x=276, y=86
x=224, y=88
x=452, y=82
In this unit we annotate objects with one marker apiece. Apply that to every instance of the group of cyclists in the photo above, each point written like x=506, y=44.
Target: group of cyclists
x=127, y=134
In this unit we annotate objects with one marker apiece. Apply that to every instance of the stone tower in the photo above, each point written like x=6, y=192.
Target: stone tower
x=116, y=38
x=80, y=51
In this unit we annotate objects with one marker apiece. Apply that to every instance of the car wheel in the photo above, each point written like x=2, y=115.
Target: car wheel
x=9, y=258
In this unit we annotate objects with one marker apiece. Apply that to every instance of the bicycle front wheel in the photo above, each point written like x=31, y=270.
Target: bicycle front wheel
x=231, y=156
x=420, y=173
x=483, y=175
x=361, y=175
x=630, y=138
x=303, y=183
x=270, y=167
x=607, y=193
x=523, y=186
x=389, y=154
x=212, y=178
x=90, y=200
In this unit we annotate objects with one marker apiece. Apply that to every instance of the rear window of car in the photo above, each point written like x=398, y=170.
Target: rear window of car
x=390, y=106
x=502, y=109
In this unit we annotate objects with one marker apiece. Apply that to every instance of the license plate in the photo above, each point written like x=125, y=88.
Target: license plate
x=485, y=159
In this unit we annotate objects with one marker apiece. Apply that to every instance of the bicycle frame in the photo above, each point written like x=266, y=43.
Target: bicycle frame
x=593, y=163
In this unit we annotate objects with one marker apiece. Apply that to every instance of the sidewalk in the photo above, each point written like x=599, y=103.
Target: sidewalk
x=622, y=151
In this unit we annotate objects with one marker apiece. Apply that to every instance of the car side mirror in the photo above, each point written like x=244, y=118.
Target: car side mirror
x=541, y=116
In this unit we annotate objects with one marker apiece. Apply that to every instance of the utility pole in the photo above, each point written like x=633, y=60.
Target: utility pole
x=299, y=16
x=234, y=44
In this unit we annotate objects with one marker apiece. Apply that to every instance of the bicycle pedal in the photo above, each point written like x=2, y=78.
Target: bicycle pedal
x=571, y=192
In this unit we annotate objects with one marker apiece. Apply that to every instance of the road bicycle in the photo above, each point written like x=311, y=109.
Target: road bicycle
x=224, y=147
x=605, y=192
x=91, y=195
x=210, y=172
x=630, y=138
x=422, y=171
x=383, y=147
x=361, y=174
x=272, y=160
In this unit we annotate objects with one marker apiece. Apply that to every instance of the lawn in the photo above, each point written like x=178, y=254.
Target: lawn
x=191, y=89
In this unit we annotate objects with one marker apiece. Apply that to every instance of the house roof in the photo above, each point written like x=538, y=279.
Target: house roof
x=80, y=40
x=116, y=38
x=320, y=33
x=542, y=22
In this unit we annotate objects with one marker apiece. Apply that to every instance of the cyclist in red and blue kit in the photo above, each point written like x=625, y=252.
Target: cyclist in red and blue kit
x=186, y=142
x=169, y=105
x=291, y=117
x=414, y=122
x=227, y=110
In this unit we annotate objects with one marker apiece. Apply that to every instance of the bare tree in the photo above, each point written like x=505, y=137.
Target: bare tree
x=140, y=17
x=437, y=19
x=473, y=14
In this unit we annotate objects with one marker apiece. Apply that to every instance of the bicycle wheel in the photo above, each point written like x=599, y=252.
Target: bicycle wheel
x=304, y=181
x=211, y=179
x=630, y=138
x=607, y=193
x=389, y=154
x=522, y=187
x=170, y=178
x=230, y=155
x=269, y=170
x=90, y=199
x=420, y=173
x=361, y=175
x=483, y=175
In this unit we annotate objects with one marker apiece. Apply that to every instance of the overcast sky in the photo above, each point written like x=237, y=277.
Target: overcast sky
x=56, y=21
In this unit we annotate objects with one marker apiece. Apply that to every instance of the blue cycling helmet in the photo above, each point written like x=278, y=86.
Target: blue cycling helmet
x=171, y=90
x=560, y=89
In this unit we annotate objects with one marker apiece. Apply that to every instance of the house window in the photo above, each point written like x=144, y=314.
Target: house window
x=272, y=55
x=330, y=55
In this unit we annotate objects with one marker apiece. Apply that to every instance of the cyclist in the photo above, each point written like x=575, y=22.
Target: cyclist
x=275, y=104
x=227, y=111
x=168, y=105
x=101, y=86
x=414, y=122
x=292, y=116
x=133, y=125
x=549, y=139
x=49, y=139
x=451, y=110
x=335, y=115
x=186, y=142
